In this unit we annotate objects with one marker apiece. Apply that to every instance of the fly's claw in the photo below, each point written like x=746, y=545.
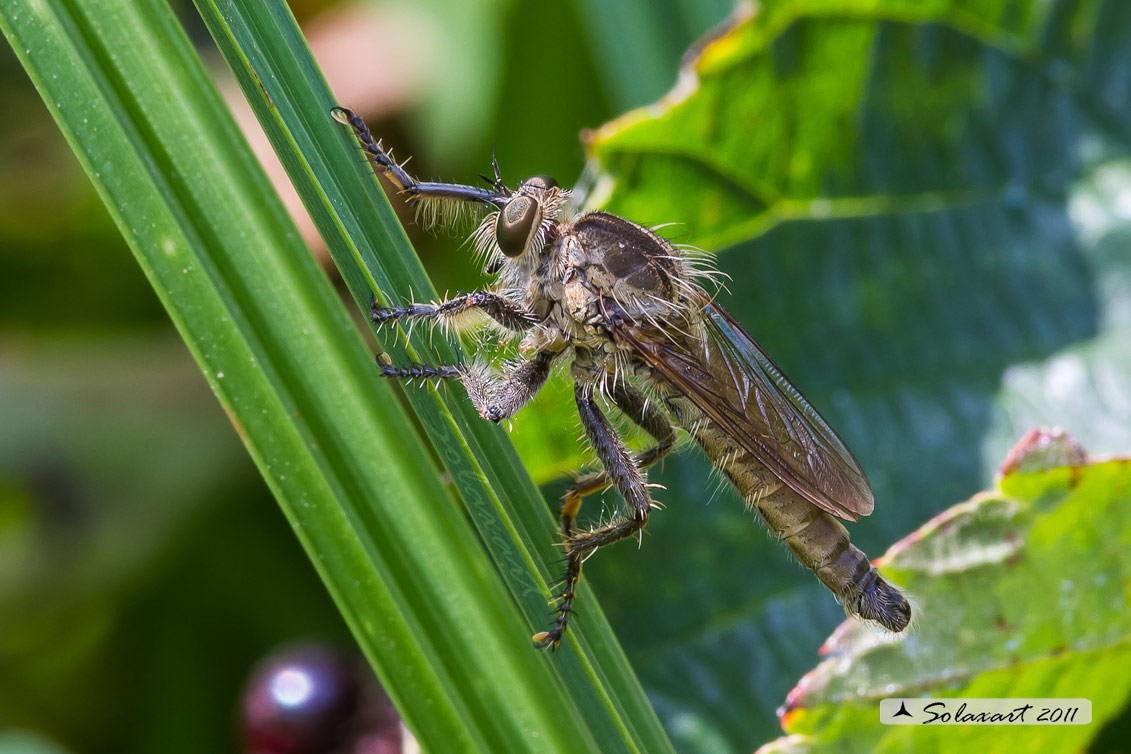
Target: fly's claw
x=345, y=116
x=375, y=149
x=552, y=639
x=546, y=640
x=493, y=414
x=381, y=315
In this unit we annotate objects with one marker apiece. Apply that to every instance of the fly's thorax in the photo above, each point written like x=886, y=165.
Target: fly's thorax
x=541, y=295
x=588, y=364
x=598, y=269
x=581, y=300
x=632, y=269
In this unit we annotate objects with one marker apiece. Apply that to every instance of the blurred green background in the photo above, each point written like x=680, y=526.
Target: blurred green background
x=931, y=228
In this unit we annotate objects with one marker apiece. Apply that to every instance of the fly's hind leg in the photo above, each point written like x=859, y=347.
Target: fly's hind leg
x=633, y=404
x=625, y=474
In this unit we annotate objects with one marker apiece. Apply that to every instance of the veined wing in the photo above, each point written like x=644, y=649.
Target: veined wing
x=735, y=384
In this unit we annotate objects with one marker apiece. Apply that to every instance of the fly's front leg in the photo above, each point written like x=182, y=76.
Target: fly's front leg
x=502, y=310
x=395, y=172
x=499, y=395
x=496, y=394
x=626, y=476
x=633, y=404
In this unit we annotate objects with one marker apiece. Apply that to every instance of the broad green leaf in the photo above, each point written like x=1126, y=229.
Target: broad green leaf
x=1022, y=592
x=923, y=210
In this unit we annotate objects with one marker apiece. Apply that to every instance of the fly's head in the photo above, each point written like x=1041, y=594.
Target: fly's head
x=514, y=237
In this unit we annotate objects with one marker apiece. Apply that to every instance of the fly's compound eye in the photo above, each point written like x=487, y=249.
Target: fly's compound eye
x=518, y=222
x=540, y=181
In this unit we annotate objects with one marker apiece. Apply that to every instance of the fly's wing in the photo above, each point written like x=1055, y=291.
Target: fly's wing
x=735, y=384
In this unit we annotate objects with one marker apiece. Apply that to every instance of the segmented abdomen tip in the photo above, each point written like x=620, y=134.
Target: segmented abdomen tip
x=886, y=605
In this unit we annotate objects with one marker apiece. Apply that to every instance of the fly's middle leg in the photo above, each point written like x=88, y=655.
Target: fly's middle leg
x=623, y=473
x=503, y=311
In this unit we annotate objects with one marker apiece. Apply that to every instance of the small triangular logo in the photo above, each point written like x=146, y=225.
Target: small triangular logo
x=902, y=710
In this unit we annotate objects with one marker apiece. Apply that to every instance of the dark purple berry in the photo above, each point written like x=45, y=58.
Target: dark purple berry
x=301, y=700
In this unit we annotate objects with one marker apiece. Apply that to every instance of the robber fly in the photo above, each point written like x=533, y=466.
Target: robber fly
x=629, y=313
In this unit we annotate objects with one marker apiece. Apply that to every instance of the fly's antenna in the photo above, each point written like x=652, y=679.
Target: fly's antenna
x=498, y=174
x=497, y=182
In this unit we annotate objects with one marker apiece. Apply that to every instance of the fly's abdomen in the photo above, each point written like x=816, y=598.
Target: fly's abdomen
x=821, y=544
x=818, y=540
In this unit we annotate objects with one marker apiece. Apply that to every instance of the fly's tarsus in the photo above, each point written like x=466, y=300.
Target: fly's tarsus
x=419, y=371
x=383, y=159
x=503, y=311
x=552, y=638
x=497, y=394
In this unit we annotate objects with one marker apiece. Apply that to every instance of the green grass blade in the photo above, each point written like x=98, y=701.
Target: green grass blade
x=370, y=248
x=353, y=478
x=594, y=683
